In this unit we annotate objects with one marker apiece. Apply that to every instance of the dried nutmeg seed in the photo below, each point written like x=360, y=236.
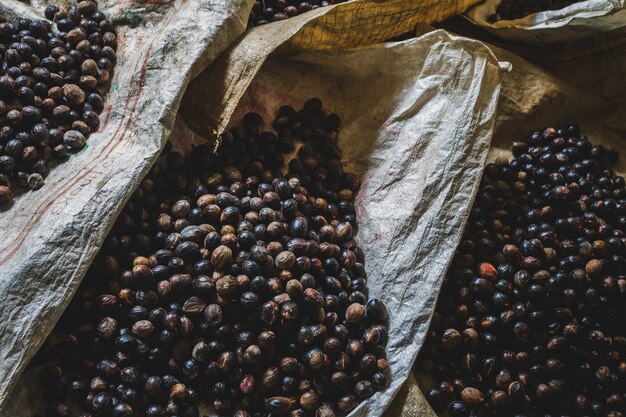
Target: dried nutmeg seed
x=213, y=315
x=314, y=359
x=271, y=377
x=347, y=403
x=376, y=312
x=310, y=400
x=35, y=181
x=143, y=328
x=285, y=260
x=107, y=327
x=451, y=338
x=314, y=299
x=247, y=384
x=355, y=313
x=472, y=396
x=73, y=93
x=375, y=335
x=279, y=405
x=74, y=139
x=221, y=257
x=194, y=305
x=324, y=411
x=226, y=286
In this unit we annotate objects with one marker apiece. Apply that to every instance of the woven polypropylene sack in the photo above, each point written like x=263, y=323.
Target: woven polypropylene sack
x=571, y=24
x=50, y=236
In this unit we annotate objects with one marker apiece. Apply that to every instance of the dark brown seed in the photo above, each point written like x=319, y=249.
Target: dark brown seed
x=87, y=7
x=213, y=315
x=74, y=139
x=355, y=313
x=269, y=312
x=73, y=93
x=143, y=328
x=293, y=288
x=289, y=311
x=472, y=396
x=279, y=405
x=74, y=36
x=194, y=305
x=375, y=335
x=593, y=267
x=252, y=355
x=247, y=384
x=35, y=181
x=107, y=327
x=178, y=391
x=363, y=390
x=376, y=311
x=201, y=352
x=5, y=194
x=226, y=286
x=289, y=364
x=451, y=338
x=271, y=377
x=310, y=400
x=324, y=411
x=221, y=257
x=499, y=400
x=343, y=232
x=543, y=391
x=226, y=361
x=346, y=403
x=285, y=260
x=314, y=359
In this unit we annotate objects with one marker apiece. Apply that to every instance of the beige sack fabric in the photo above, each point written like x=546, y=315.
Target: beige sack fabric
x=356, y=23
x=50, y=236
x=402, y=229
x=416, y=124
x=531, y=99
x=575, y=22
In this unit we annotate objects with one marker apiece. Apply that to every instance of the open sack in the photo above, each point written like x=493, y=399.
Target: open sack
x=50, y=236
x=546, y=100
x=417, y=138
x=569, y=24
